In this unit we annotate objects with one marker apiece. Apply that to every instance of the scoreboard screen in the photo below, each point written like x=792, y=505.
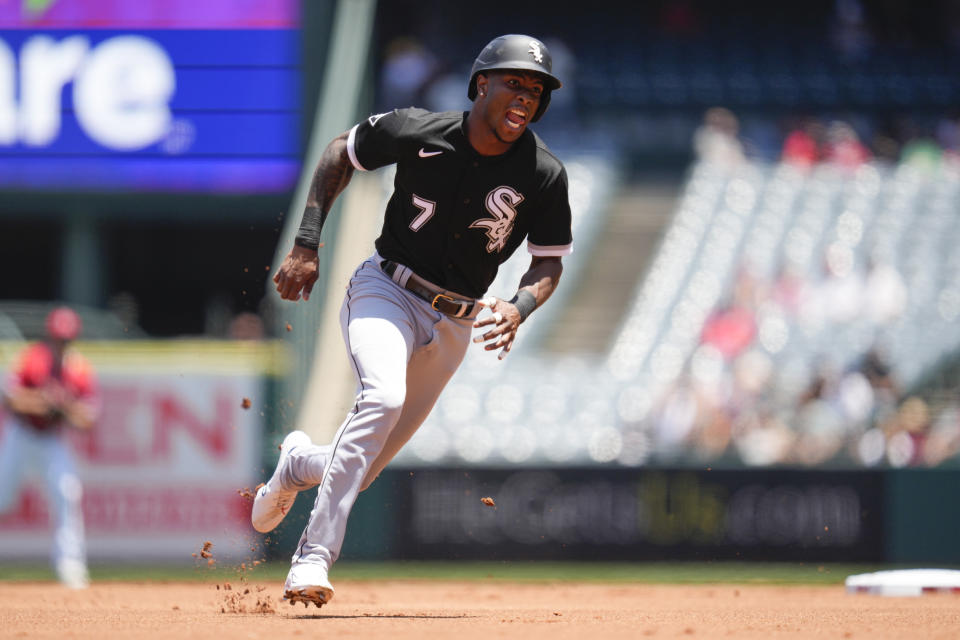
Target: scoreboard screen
x=150, y=95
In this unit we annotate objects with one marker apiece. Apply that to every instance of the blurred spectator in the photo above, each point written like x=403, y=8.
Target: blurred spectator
x=51, y=389
x=675, y=418
x=948, y=135
x=407, y=69
x=906, y=434
x=713, y=437
x=821, y=433
x=761, y=438
x=870, y=447
x=835, y=299
x=819, y=422
x=752, y=372
x=790, y=290
x=801, y=148
x=885, y=145
x=716, y=140
x=885, y=293
x=732, y=326
x=839, y=297
x=875, y=368
x=856, y=399
x=943, y=441
x=729, y=329
x=761, y=137
x=844, y=147
x=921, y=152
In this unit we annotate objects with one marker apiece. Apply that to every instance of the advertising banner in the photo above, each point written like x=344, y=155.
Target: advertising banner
x=150, y=96
x=162, y=471
x=593, y=514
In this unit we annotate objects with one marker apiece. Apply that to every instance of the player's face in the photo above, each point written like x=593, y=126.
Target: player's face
x=510, y=100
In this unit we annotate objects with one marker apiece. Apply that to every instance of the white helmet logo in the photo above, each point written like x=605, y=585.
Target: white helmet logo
x=535, y=50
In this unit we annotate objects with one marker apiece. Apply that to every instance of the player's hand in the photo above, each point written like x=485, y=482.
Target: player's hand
x=298, y=273
x=505, y=321
x=79, y=415
x=56, y=397
x=28, y=402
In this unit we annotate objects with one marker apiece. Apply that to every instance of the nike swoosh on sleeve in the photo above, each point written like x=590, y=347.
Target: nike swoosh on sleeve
x=426, y=154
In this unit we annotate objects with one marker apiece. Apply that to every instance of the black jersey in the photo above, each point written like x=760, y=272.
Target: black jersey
x=456, y=215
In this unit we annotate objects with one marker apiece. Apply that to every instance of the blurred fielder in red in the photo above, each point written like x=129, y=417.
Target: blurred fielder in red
x=48, y=390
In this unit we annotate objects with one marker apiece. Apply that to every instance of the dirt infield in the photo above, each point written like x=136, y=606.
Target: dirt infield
x=416, y=609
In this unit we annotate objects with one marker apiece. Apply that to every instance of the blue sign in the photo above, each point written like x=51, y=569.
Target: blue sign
x=179, y=109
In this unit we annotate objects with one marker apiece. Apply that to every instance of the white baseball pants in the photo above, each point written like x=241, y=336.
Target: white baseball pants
x=22, y=446
x=403, y=354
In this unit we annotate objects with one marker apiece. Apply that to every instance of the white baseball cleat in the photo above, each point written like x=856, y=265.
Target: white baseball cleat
x=272, y=502
x=308, y=583
x=73, y=574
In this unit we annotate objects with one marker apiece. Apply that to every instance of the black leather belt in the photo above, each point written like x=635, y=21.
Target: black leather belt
x=436, y=297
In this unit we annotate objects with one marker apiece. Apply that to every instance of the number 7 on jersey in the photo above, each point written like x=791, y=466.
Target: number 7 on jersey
x=427, y=209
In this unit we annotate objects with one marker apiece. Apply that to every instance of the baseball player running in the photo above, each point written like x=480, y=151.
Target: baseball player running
x=51, y=388
x=469, y=188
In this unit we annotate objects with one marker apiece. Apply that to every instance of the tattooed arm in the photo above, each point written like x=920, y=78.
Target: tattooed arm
x=298, y=273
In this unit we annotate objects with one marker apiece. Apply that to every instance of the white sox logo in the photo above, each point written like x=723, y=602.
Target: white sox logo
x=535, y=50
x=502, y=204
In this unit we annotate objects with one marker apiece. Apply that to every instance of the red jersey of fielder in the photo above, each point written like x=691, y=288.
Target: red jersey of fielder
x=61, y=385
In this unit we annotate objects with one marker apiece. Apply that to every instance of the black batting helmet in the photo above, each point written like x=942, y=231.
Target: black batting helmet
x=518, y=52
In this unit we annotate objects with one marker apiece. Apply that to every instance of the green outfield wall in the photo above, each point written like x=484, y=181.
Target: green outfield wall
x=896, y=516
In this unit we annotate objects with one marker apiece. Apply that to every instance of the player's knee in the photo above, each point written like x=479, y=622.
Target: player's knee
x=388, y=399
x=70, y=489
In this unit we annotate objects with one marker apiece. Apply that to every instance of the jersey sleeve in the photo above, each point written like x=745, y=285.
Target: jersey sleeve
x=83, y=384
x=33, y=367
x=375, y=142
x=80, y=376
x=30, y=370
x=551, y=234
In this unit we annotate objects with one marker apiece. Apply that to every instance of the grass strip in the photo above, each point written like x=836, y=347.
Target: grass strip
x=504, y=571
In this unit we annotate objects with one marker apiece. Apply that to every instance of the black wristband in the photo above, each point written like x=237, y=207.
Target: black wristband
x=525, y=302
x=306, y=244
x=310, y=227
